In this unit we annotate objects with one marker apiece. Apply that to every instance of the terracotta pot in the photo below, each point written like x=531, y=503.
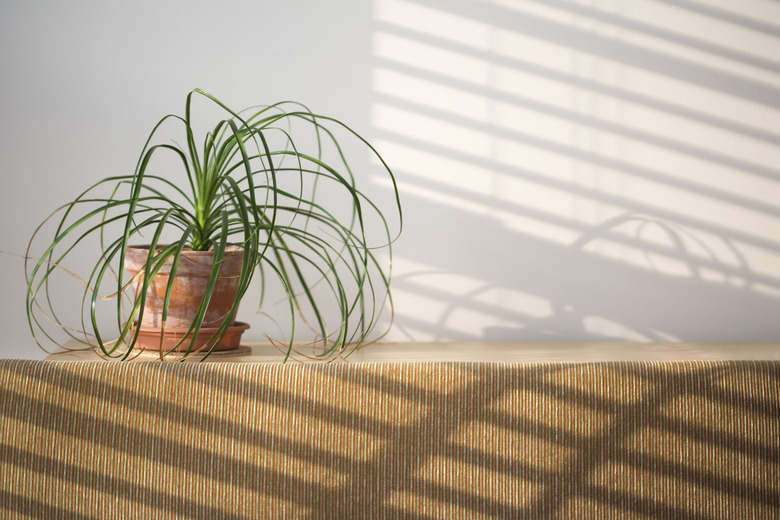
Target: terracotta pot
x=189, y=287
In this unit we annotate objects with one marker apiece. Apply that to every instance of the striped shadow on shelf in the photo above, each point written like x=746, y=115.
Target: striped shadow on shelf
x=419, y=440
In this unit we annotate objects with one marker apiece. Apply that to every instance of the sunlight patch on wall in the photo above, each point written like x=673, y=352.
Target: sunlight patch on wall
x=480, y=125
x=546, y=88
x=665, y=28
x=436, y=22
x=591, y=74
x=464, y=305
x=766, y=13
x=431, y=94
x=671, y=249
x=642, y=134
x=439, y=132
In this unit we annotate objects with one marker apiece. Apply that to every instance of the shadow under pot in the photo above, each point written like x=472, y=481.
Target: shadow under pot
x=189, y=287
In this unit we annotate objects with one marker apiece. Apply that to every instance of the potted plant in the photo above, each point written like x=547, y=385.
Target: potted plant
x=266, y=193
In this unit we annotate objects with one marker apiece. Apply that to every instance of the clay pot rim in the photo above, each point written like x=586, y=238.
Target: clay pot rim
x=229, y=250
x=191, y=263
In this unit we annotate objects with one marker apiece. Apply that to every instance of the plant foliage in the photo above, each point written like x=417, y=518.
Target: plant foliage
x=259, y=180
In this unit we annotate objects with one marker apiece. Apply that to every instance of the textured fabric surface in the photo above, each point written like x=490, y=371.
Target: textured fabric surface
x=647, y=440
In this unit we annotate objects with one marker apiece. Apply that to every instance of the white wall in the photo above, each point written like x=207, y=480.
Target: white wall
x=569, y=170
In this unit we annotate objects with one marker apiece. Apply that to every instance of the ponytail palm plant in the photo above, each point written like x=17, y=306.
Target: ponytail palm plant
x=272, y=181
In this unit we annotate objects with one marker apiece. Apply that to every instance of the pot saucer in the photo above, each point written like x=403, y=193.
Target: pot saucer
x=149, y=339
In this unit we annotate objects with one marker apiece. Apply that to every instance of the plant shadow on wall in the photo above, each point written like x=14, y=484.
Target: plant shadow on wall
x=582, y=173
x=266, y=192
x=351, y=440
